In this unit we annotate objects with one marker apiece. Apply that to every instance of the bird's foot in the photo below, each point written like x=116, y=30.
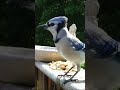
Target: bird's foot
x=62, y=78
x=59, y=76
x=70, y=80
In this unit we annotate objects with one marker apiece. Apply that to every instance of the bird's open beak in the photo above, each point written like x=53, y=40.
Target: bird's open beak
x=45, y=26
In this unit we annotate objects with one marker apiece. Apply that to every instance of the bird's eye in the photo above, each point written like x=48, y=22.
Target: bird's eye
x=48, y=24
x=52, y=24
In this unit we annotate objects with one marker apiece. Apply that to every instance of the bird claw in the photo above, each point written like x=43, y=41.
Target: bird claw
x=65, y=80
x=59, y=76
x=69, y=75
x=69, y=80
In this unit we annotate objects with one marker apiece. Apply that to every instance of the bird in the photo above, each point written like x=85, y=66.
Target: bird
x=68, y=45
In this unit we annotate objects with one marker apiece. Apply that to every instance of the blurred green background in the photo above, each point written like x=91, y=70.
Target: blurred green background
x=47, y=9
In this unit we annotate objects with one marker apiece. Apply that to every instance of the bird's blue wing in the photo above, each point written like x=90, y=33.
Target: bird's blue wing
x=76, y=44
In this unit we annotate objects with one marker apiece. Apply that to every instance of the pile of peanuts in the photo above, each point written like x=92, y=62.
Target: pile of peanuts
x=62, y=65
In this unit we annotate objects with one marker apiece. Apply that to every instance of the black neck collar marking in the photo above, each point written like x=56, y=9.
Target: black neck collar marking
x=60, y=26
x=57, y=40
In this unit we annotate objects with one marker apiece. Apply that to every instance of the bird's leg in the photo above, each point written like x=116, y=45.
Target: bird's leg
x=66, y=72
x=69, y=70
x=71, y=78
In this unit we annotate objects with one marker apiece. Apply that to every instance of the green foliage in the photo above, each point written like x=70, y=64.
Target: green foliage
x=75, y=7
x=83, y=66
x=47, y=9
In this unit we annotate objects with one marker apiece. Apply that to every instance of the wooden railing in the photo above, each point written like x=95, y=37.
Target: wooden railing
x=47, y=78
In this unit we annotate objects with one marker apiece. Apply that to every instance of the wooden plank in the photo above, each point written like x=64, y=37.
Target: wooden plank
x=42, y=81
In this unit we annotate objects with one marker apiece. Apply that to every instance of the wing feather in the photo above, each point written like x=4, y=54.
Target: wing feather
x=76, y=44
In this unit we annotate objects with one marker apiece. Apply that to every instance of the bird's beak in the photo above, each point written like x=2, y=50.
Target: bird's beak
x=45, y=26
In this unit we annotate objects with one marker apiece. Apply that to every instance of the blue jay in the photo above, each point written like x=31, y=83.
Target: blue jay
x=69, y=47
